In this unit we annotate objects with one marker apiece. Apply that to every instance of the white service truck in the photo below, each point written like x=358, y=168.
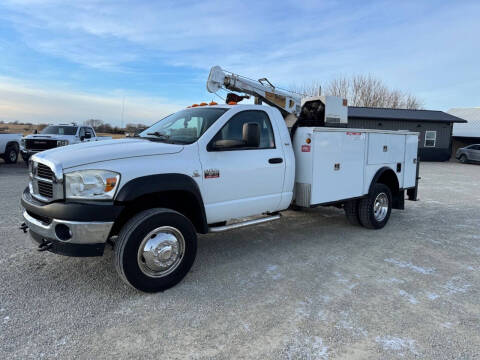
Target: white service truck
x=53, y=136
x=202, y=169
x=9, y=147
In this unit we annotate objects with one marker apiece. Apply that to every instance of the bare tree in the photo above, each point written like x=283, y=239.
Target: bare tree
x=95, y=123
x=362, y=90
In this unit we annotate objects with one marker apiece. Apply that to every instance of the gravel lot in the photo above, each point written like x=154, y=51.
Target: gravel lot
x=309, y=286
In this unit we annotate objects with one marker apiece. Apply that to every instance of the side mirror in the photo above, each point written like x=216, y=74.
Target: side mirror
x=251, y=135
x=88, y=135
x=82, y=138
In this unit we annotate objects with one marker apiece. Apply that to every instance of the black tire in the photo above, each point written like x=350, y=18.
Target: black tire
x=11, y=154
x=134, y=233
x=26, y=158
x=463, y=159
x=351, y=211
x=366, y=207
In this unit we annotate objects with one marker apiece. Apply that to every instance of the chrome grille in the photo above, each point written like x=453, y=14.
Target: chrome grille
x=43, y=171
x=45, y=189
x=44, y=185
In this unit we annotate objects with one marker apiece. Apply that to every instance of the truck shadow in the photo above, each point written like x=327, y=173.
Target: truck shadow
x=223, y=259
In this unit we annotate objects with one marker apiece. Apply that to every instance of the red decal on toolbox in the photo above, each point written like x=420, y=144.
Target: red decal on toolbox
x=305, y=148
x=354, y=133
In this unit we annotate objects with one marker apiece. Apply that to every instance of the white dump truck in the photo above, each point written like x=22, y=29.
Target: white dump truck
x=212, y=168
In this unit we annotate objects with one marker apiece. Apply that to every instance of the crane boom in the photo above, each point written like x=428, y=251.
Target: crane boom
x=286, y=102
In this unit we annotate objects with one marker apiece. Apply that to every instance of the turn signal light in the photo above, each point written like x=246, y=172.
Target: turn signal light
x=308, y=140
x=110, y=184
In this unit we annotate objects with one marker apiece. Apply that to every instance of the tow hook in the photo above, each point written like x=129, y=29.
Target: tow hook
x=23, y=227
x=45, y=245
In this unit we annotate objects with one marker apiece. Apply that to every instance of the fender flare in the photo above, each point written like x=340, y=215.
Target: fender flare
x=14, y=143
x=150, y=184
x=378, y=174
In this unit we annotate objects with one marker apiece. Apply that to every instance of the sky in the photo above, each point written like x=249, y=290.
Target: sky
x=63, y=61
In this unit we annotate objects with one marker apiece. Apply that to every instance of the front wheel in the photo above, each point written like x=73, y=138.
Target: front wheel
x=374, y=211
x=11, y=154
x=463, y=159
x=155, y=249
x=25, y=157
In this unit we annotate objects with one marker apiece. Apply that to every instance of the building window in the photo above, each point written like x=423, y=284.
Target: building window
x=430, y=138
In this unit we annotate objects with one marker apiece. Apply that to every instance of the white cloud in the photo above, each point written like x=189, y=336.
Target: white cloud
x=425, y=48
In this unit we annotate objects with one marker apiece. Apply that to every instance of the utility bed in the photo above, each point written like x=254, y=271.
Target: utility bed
x=334, y=164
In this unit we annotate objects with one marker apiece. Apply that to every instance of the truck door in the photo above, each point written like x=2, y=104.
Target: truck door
x=239, y=180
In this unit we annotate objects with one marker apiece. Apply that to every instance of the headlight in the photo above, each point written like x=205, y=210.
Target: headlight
x=22, y=142
x=62, y=142
x=91, y=184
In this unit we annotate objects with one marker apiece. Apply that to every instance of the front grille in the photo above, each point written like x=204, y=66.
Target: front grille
x=45, y=186
x=44, y=172
x=40, y=144
x=45, y=189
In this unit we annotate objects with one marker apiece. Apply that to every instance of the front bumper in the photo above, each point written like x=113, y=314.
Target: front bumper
x=26, y=152
x=72, y=229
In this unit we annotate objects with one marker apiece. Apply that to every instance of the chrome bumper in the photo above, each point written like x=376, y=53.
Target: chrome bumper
x=80, y=232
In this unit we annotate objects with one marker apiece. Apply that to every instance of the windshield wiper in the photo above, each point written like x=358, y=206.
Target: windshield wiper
x=159, y=134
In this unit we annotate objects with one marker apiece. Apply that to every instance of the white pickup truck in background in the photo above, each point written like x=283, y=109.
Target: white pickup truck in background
x=54, y=136
x=212, y=168
x=9, y=147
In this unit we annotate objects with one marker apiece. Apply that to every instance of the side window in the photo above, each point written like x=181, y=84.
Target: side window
x=232, y=132
x=81, y=132
x=430, y=138
x=88, y=131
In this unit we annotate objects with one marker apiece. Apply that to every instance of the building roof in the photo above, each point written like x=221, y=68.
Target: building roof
x=402, y=114
x=472, y=128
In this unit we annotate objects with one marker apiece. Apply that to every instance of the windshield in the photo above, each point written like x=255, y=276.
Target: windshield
x=59, y=130
x=184, y=127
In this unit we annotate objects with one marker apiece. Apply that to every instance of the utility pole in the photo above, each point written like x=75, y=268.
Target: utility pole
x=123, y=111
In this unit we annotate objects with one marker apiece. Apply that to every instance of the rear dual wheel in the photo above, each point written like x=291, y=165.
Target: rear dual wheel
x=372, y=212
x=155, y=249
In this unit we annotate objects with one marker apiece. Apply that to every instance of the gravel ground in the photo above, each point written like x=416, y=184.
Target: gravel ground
x=309, y=286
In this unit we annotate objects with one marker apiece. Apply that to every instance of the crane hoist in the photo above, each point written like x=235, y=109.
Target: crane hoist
x=319, y=110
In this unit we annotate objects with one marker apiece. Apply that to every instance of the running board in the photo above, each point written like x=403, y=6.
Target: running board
x=245, y=223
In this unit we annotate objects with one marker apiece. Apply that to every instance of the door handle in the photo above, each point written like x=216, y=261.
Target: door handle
x=275, y=160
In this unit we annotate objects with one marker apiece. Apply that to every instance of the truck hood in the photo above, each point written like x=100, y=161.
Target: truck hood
x=97, y=151
x=49, y=137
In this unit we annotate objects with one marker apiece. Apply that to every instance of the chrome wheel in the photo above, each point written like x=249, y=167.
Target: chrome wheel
x=161, y=251
x=380, y=207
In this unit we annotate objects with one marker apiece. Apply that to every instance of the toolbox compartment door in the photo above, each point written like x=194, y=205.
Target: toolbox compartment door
x=411, y=151
x=338, y=166
x=385, y=148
